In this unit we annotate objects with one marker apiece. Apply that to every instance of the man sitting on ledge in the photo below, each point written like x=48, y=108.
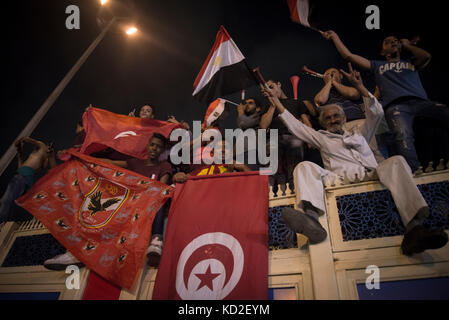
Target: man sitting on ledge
x=348, y=153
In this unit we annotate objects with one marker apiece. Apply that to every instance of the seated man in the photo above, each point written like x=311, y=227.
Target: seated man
x=157, y=170
x=153, y=169
x=41, y=156
x=348, y=98
x=348, y=153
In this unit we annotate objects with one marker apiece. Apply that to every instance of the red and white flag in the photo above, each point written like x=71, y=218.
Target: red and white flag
x=215, y=111
x=216, y=248
x=128, y=135
x=101, y=213
x=224, y=71
x=299, y=11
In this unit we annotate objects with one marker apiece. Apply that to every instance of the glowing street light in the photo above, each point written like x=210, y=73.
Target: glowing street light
x=37, y=117
x=130, y=31
x=103, y=2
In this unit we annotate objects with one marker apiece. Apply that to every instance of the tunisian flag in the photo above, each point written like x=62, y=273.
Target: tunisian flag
x=128, y=135
x=225, y=70
x=101, y=213
x=216, y=246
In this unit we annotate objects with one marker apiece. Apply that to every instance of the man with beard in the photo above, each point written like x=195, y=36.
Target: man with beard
x=334, y=92
x=249, y=114
x=348, y=153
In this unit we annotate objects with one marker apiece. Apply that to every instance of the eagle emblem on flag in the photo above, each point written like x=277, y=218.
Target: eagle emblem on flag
x=102, y=203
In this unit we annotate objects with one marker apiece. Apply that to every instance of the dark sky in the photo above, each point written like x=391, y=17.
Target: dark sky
x=159, y=65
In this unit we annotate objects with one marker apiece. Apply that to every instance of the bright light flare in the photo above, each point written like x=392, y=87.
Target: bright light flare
x=103, y=2
x=131, y=31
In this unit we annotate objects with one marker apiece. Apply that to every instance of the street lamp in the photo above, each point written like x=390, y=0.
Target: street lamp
x=39, y=115
x=131, y=31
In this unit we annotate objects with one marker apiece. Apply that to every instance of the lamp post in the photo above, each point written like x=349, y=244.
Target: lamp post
x=32, y=124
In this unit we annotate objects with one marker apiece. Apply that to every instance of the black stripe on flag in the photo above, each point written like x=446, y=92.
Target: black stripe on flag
x=227, y=80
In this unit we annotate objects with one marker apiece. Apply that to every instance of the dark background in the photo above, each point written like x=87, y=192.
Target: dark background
x=158, y=66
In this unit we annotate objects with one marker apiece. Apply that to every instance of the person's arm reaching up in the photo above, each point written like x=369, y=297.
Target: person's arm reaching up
x=373, y=109
x=345, y=52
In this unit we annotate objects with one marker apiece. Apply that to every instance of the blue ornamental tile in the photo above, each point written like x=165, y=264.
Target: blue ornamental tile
x=32, y=250
x=279, y=235
x=374, y=215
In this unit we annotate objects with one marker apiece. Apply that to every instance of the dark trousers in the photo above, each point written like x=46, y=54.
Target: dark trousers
x=400, y=117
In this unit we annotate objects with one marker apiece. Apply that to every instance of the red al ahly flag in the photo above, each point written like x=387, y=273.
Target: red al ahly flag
x=225, y=70
x=101, y=213
x=128, y=135
x=216, y=246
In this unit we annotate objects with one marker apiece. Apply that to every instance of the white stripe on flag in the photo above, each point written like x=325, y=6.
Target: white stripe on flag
x=303, y=12
x=227, y=54
x=216, y=113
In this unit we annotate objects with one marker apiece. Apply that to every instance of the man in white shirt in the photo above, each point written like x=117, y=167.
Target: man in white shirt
x=348, y=153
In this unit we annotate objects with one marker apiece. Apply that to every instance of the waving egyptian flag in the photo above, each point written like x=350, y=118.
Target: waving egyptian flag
x=301, y=12
x=127, y=135
x=215, y=248
x=224, y=72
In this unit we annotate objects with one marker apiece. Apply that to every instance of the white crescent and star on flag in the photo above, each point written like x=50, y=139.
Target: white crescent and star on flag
x=209, y=267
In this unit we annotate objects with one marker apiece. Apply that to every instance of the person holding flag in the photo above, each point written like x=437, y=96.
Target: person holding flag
x=225, y=70
x=157, y=170
x=151, y=168
x=404, y=97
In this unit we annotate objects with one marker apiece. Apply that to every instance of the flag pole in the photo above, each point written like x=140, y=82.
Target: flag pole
x=229, y=101
x=39, y=115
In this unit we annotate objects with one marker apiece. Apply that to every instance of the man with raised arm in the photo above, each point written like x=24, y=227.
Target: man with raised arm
x=348, y=153
x=291, y=150
x=403, y=95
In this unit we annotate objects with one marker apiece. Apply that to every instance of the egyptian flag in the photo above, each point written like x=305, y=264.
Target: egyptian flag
x=215, y=248
x=300, y=12
x=127, y=135
x=99, y=212
x=224, y=72
x=218, y=109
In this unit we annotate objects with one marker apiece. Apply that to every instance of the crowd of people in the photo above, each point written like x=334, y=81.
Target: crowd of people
x=336, y=135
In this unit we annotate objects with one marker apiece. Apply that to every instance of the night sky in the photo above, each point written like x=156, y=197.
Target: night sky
x=159, y=65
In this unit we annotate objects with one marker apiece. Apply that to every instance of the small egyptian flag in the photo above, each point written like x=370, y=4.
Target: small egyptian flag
x=215, y=111
x=224, y=72
x=300, y=11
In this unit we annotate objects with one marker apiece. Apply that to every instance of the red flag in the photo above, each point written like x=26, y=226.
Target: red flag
x=99, y=212
x=216, y=246
x=128, y=135
x=224, y=71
